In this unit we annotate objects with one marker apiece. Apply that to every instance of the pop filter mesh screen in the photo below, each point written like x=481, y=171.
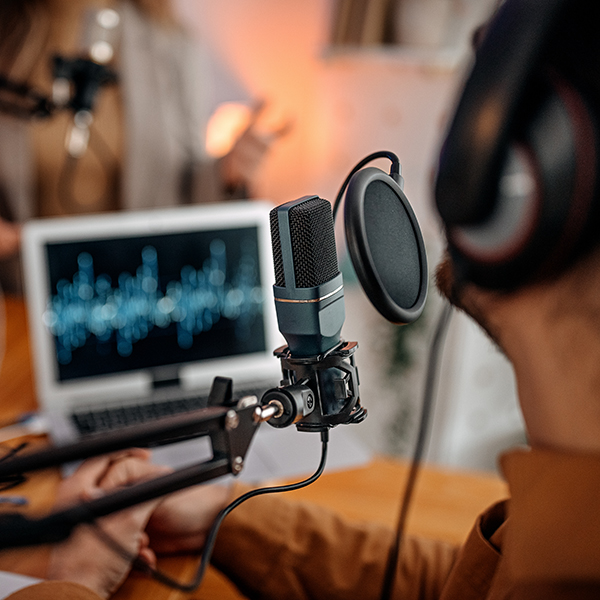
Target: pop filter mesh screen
x=393, y=244
x=313, y=244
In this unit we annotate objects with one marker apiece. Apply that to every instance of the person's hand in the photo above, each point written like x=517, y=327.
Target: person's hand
x=181, y=521
x=10, y=238
x=85, y=558
x=240, y=164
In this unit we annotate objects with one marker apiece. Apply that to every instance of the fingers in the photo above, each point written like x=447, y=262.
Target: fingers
x=145, y=552
x=129, y=471
x=93, y=469
x=269, y=134
x=240, y=165
x=87, y=478
x=125, y=471
x=86, y=558
x=85, y=483
x=148, y=556
x=256, y=111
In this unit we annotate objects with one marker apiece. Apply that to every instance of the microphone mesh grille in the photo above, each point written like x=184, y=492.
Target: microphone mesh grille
x=276, y=245
x=313, y=244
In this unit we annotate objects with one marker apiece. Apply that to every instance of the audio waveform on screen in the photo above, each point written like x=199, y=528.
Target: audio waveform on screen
x=127, y=312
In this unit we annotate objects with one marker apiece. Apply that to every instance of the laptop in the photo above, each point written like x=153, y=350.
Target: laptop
x=133, y=314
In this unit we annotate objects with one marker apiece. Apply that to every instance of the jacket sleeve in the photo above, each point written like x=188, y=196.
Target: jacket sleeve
x=272, y=548
x=552, y=545
x=55, y=590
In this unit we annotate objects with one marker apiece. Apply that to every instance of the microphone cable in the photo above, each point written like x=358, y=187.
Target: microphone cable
x=433, y=363
x=144, y=567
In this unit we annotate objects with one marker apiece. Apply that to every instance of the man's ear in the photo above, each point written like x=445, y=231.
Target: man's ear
x=478, y=36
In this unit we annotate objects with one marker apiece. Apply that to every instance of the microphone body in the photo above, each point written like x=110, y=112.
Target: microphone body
x=308, y=290
x=319, y=388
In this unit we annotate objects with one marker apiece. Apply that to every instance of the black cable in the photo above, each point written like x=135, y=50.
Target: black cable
x=394, y=169
x=165, y=579
x=428, y=399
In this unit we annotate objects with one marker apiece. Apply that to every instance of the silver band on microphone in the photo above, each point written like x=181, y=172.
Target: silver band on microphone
x=312, y=299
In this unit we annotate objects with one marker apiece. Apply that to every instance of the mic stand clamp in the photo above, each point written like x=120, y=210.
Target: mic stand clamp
x=317, y=392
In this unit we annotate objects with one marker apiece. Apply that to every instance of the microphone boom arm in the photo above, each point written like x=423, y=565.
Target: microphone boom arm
x=230, y=428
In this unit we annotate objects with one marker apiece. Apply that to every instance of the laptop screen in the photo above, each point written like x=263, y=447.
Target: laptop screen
x=130, y=303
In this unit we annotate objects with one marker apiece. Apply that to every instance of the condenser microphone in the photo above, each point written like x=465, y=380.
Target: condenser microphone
x=308, y=290
x=319, y=386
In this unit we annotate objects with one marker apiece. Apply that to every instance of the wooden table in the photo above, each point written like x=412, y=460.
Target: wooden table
x=444, y=506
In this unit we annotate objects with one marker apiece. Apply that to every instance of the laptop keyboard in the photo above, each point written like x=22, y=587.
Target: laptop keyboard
x=107, y=419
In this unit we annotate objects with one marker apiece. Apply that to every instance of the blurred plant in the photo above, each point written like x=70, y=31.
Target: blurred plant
x=402, y=354
x=404, y=375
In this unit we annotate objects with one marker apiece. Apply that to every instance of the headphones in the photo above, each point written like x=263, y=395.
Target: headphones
x=517, y=185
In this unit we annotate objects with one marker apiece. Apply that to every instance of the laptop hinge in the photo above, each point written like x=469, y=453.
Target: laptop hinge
x=165, y=377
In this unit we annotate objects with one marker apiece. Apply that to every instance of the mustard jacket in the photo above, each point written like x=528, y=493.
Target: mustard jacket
x=542, y=543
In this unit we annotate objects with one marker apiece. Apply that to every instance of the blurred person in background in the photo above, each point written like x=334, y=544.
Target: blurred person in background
x=141, y=144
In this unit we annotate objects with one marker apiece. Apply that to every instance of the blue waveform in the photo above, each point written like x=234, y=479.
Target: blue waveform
x=90, y=305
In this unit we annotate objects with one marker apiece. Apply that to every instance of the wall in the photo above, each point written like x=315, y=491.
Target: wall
x=274, y=48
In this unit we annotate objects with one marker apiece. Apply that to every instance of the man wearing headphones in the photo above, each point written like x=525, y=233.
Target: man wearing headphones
x=517, y=190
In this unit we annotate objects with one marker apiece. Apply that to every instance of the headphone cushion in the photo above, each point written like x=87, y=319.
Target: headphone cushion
x=545, y=193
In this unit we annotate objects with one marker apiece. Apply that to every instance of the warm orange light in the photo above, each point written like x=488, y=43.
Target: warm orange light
x=225, y=126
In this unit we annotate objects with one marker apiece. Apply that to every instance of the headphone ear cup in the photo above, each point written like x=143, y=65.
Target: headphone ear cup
x=545, y=196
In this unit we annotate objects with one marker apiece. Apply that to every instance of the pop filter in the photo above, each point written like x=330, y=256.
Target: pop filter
x=386, y=245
